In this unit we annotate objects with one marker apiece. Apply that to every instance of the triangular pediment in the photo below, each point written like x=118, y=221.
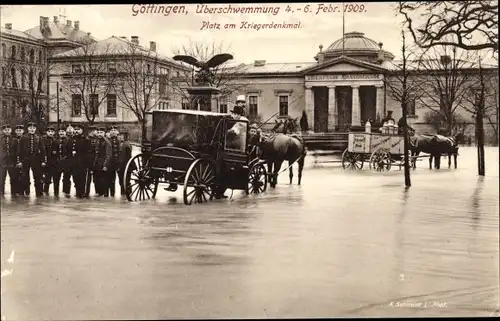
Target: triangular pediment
x=343, y=65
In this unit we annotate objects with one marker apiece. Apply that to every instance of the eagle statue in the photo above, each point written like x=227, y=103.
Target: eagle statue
x=215, y=61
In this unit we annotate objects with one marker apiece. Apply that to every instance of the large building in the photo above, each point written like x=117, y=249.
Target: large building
x=348, y=84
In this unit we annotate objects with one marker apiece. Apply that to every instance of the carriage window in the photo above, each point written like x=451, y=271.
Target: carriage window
x=236, y=136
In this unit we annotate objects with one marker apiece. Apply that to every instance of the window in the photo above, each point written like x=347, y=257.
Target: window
x=185, y=104
x=111, y=67
x=76, y=103
x=40, y=57
x=283, y=105
x=411, y=107
x=23, y=54
x=14, y=77
x=4, y=50
x=162, y=83
x=253, y=108
x=442, y=103
x=178, y=74
x=76, y=69
x=5, y=76
x=148, y=68
x=5, y=108
x=32, y=56
x=223, y=105
x=94, y=104
x=164, y=71
x=23, y=79
x=40, y=82
x=30, y=79
x=111, y=105
x=13, y=52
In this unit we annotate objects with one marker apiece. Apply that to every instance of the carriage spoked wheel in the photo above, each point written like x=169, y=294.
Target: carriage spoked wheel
x=257, y=179
x=352, y=161
x=139, y=184
x=199, y=183
x=380, y=160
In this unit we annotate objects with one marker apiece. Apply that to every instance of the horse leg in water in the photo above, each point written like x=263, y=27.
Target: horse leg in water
x=449, y=160
x=301, y=167
x=455, y=155
x=277, y=167
x=269, y=172
x=437, y=161
x=414, y=156
x=290, y=169
x=431, y=156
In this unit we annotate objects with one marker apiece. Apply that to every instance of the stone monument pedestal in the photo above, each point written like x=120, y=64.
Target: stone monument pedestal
x=204, y=98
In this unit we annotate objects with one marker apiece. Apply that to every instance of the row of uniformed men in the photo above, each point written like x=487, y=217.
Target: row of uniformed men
x=99, y=157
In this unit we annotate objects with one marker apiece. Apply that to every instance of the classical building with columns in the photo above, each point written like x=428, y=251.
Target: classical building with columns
x=345, y=86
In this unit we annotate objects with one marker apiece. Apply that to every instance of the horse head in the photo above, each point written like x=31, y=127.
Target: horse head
x=277, y=126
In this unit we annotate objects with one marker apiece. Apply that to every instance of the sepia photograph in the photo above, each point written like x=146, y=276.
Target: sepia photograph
x=249, y=160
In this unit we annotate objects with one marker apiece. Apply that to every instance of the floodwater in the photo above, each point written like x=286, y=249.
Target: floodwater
x=344, y=244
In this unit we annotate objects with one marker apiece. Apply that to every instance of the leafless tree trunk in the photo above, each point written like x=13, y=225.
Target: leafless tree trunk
x=228, y=78
x=469, y=25
x=93, y=77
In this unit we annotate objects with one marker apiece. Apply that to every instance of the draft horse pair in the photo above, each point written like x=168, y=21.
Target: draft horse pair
x=436, y=146
x=282, y=144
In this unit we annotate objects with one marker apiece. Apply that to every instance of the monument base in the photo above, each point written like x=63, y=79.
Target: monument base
x=204, y=98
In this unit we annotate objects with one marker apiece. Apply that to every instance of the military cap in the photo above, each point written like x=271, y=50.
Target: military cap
x=19, y=127
x=50, y=128
x=31, y=124
x=101, y=129
x=62, y=129
x=254, y=126
x=124, y=132
x=77, y=126
x=6, y=126
x=91, y=128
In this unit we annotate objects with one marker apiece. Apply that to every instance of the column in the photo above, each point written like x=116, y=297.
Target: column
x=310, y=107
x=379, y=107
x=332, y=109
x=356, y=108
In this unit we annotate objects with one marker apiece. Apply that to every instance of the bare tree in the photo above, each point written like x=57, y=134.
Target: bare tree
x=469, y=25
x=403, y=88
x=93, y=77
x=227, y=77
x=444, y=75
x=30, y=100
x=140, y=74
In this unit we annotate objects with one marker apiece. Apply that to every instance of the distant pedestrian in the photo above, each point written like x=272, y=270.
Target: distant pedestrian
x=123, y=158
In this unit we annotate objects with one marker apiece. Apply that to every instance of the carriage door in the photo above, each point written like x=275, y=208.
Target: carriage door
x=234, y=154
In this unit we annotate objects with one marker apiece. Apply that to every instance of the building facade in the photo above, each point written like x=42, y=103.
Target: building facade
x=348, y=84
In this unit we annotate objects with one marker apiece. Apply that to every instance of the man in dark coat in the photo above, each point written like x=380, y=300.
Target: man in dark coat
x=90, y=175
x=52, y=151
x=18, y=170
x=62, y=141
x=77, y=152
x=32, y=156
x=8, y=150
x=101, y=161
x=113, y=165
x=123, y=158
x=69, y=133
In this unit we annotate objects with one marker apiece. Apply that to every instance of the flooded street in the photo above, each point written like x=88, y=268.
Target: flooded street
x=344, y=244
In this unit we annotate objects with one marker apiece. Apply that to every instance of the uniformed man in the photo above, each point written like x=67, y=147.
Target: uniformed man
x=70, y=132
x=8, y=150
x=18, y=170
x=123, y=158
x=92, y=137
x=77, y=149
x=101, y=161
x=62, y=141
x=32, y=156
x=238, y=111
x=112, y=171
x=51, y=144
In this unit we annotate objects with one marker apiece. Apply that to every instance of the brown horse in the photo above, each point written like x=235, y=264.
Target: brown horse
x=435, y=146
x=279, y=146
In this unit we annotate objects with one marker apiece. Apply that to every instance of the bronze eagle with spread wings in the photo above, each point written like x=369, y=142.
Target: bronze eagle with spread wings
x=212, y=63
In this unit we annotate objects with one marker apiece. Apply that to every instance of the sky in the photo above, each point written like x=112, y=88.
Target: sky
x=377, y=21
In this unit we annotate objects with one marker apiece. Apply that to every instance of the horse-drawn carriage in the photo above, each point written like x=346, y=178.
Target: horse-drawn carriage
x=204, y=152
x=381, y=151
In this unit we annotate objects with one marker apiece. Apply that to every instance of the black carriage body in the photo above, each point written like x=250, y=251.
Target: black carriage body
x=176, y=138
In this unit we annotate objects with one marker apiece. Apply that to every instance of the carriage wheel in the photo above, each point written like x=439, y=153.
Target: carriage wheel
x=353, y=161
x=139, y=185
x=199, y=182
x=380, y=160
x=257, y=179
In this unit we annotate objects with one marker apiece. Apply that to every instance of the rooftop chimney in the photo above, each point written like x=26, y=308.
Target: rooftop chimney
x=135, y=40
x=152, y=46
x=77, y=25
x=44, y=23
x=8, y=26
x=68, y=23
x=380, y=55
x=56, y=19
x=321, y=55
x=259, y=63
x=88, y=34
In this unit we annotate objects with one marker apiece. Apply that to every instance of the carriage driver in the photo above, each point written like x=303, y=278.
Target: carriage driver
x=238, y=111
